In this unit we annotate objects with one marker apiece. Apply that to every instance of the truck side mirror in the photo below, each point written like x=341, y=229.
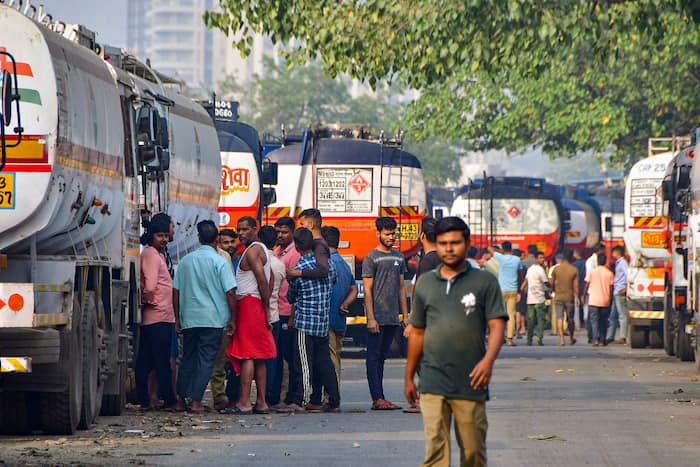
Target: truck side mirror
x=163, y=135
x=683, y=182
x=269, y=172
x=439, y=214
x=666, y=189
x=6, y=97
x=608, y=224
x=269, y=196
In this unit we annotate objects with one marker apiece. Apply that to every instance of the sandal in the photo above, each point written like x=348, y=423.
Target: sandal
x=412, y=409
x=204, y=409
x=382, y=404
x=258, y=411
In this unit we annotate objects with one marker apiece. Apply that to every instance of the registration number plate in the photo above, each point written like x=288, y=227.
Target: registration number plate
x=7, y=190
x=653, y=240
x=409, y=231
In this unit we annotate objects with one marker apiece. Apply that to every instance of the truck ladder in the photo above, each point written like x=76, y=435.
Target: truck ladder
x=386, y=187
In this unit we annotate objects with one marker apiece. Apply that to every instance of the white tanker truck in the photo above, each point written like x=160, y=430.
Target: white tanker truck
x=106, y=142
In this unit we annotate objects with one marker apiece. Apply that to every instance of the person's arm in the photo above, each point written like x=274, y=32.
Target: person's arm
x=403, y=303
x=577, y=296
x=232, y=308
x=349, y=298
x=585, y=289
x=553, y=281
x=176, y=309
x=149, y=269
x=322, y=255
x=258, y=267
x=415, y=352
x=523, y=285
x=481, y=374
x=372, y=325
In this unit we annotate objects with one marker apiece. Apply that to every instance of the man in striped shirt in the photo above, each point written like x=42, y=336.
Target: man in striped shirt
x=311, y=299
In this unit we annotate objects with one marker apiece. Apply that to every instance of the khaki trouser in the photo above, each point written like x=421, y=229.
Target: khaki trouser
x=510, y=299
x=470, y=430
x=335, y=342
x=217, y=383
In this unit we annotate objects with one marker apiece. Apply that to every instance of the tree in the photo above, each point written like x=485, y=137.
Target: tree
x=296, y=96
x=564, y=75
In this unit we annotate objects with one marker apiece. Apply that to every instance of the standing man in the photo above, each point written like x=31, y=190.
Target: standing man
x=268, y=236
x=619, y=304
x=252, y=342
x=509, y=267
x=204, y=299
x=531, y=257
x=227, y=242
x=383, y=272
x=565, y=284
x=580, y=265
x=591, y=264
x=158, y=318
x=599, y=285
x=288, y=254
x=429, y=259
x=311, y=219
x=536, y=281
x=452, y=308
x=312, y=360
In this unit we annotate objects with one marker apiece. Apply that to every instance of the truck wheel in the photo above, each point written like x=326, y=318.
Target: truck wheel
x=684, y=348
x=638, y=337
x=93, y=384
x=669, y=327
x=14, y=418
x=656, y=338
x=60, y=411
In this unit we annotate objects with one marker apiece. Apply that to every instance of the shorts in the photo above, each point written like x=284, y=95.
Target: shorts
x=564, y=309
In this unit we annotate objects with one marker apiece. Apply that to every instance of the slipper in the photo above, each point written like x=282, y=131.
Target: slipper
x=384, y=405
x=291, y=408
x=235, y=410
x=412, y=409
x=204, y=409
x=257, y=411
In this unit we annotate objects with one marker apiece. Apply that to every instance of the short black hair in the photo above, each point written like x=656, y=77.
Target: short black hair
x=598, y=247
x=569, y=254
x=532, y=249
x=485, y=251
x=286, y=221
x=472, y=252
x=314, y=215
x=602, y=259
x=385, y=223
x=427, y=226
x=207, y=232
x=250, y=220
x=539, y=253
x=620, y=249
x=507, y=246
x=331, y=235
x=303, y=239
x=451, y=224
x=268, y=236
x=518, y=252
x=228, y=233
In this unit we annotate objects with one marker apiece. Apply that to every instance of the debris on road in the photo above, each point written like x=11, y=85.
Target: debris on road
x=546, y=438
x=528, y=378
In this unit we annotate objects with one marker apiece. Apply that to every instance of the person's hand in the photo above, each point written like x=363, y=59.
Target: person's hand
x=178, y=329
x=518, y=297
x=230, y=329
x=407, y=330
x=411, y=393
x=293, y=273
x=372, y=326
x=344, y=309
x=481, y=374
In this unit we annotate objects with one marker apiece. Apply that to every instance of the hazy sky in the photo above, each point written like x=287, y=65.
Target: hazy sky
x=106, y=17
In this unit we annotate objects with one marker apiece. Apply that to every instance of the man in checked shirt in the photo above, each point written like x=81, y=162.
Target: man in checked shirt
x=311, y=299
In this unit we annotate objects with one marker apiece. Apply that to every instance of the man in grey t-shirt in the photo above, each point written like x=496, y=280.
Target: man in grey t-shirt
x=383, y=272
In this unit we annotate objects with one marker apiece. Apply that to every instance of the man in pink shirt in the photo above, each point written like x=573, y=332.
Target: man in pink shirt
x=599, y=285
x=158, y=317
x=289, y=255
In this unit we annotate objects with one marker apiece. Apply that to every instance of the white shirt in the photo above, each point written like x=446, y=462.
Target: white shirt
x=591, y=263
x=279, y=272
x=247, y=283
x=536, y=277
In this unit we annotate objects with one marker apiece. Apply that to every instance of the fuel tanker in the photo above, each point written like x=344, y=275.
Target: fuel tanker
x=106, y=143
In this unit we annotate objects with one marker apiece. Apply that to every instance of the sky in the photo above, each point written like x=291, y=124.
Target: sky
x=106, y=17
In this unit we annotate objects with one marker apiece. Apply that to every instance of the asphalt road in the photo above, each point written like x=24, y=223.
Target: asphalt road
x=593, y=406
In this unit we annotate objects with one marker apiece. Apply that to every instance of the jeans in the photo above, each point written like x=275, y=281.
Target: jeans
x=536, y=312
x=378, y=346
x=312, y=361
x=200, y=348
x=618, y=313
x=285, y=353
x=155, y=341
x=598, y=316
x=272, y=396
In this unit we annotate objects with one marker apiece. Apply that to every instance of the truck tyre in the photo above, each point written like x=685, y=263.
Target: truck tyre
x=14, y=419
x=60, y=411
x=638, y=337
x=684, y=348
x=93, y=383
x=669, y=326
x=656, y=338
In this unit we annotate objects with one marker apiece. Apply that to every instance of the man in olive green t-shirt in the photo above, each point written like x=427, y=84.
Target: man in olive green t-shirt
x=452, y=306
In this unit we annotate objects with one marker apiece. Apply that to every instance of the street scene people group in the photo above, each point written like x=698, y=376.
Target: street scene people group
x=265, y=308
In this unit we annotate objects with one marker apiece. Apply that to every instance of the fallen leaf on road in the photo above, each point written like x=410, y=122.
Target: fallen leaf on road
x=679, y=391
x=559, y=370
x=528, y=378
x=546, y=438
x=570, y=370
x=268, y=426
x=195, y=450
x=356, y=445
x=199, y=427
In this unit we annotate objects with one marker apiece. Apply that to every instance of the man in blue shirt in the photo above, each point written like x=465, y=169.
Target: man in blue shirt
x=204, y=298
x=310, y=316
x=619, y=303
x=509, y=267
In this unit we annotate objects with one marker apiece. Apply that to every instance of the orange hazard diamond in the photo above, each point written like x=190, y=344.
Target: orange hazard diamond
x=514, y=212
x=358, y=183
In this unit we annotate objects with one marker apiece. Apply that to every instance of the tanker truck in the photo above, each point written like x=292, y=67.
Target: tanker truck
x=107, y=142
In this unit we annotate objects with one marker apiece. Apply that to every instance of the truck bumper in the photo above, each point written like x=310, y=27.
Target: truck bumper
x=15, y=365
x=39, y=346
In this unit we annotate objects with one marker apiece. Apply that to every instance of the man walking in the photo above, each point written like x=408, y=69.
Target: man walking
x=383, y=272
x=252, y=342
x=599, y=285
x=535, y=282
x=580, y=264
x=509, y=267
x=452, y=308
x=312, y=361
x=565, y=284
x=204, y=299
x=619, y=304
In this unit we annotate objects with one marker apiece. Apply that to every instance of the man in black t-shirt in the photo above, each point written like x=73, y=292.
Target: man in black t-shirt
x=429, y=259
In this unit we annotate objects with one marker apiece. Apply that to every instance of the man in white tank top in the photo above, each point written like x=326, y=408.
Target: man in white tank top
x=253, y=342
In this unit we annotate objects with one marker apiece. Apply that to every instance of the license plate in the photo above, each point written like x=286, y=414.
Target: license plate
x=409, y=232
x=7, y=190
x=653, y=240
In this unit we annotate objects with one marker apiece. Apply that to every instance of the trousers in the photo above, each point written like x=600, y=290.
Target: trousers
x=378, y=346
x=200, y=347
x=155, y=341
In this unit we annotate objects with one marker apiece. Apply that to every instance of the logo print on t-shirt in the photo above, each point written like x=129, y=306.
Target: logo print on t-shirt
x=396, y=263
x=469, y=302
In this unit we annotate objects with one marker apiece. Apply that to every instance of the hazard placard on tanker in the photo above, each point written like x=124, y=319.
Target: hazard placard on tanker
x=653, y=240
x=645, y=199
x=344, y=190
